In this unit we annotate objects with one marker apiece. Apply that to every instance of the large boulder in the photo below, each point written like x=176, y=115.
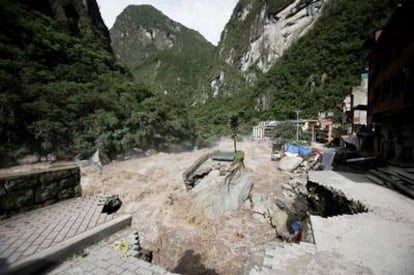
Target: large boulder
x=289, y=163
x=28, y=159
x=99, y=159
x=279, y=218
x=221, y=194
x=131, y=153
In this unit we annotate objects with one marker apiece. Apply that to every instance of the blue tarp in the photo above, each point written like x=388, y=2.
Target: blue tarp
x=295, y=149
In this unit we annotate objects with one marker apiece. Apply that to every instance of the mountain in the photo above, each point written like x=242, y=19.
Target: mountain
x=278, y=56
x=62, y=92
x=163, y=54
x=257, y=35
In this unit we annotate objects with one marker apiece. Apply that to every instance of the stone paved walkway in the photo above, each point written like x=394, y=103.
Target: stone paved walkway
x=102, y=258
x=381, y=240
x=303, y=258
x=29, y=233
x=378, y=242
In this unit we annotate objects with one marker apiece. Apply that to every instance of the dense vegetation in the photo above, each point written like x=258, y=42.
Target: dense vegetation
x=320, y=69
x=61, y=92
x=163, y=54
x=313, y=75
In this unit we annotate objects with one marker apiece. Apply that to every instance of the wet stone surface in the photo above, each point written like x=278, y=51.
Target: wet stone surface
x=104, y=258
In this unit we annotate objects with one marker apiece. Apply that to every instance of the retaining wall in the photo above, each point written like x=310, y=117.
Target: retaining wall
x=28, y=190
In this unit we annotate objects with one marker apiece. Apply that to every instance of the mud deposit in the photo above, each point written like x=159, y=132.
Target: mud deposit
x=174, y=225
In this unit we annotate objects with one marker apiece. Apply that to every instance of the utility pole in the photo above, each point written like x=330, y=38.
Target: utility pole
x=297, y=126
x=234, y=124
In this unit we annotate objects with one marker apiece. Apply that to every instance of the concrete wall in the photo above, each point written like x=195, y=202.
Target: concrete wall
x=24, y=191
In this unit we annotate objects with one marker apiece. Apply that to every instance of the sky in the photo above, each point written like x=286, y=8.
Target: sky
x=206, y=16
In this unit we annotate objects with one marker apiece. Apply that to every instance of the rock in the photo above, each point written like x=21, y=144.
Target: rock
x=287, y=187
x=68, y=182
x=304, y=164
x=17, y=199
x=223, y=171
x=21, y=183
x=51, y=157
x=99, y=159
x=280, y=203
x=289, y=163
x=301, y=189
x=131, y=154
x=151, y=152
x=112, y=204
x=259, y=202
x=29, y=159
x=46, y=192
x=77, y=190
x=202, y=171
x=218, y=194
x=2, y=190
x=65, y=193
x=279, y=219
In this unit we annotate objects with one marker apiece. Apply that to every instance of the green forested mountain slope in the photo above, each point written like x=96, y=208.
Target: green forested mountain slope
x=61, y=91
x=163, y=54
x=257, y=34
x=312, y=75
x=320, y=69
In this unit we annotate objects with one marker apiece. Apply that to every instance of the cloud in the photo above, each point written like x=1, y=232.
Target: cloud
x=206, y=16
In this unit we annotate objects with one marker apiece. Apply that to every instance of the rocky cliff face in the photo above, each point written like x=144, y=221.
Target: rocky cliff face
x=160, y=52
x=81, y=17
x=258, y=33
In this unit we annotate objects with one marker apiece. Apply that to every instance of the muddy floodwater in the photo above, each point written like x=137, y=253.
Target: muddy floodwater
x=184, y=239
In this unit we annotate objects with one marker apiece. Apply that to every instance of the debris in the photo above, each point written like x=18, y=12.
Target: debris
x=289, y=163
x=122, y=246
x=276, y=156
x=112, y=204
x=295, y=232
x=239, y=235
x=280, y=203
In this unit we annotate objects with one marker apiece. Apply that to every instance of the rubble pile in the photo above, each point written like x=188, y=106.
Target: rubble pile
x=289, y=212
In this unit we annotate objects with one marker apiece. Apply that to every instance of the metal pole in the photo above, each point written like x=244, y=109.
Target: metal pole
x=297, y=126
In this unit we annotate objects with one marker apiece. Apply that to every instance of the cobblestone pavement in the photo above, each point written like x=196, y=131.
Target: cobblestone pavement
x=29, y=233
x=103, y=258
x=303, y=258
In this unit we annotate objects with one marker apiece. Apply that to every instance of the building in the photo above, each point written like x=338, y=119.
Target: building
x=266, y=129
x=391, y=88
x=359, y=102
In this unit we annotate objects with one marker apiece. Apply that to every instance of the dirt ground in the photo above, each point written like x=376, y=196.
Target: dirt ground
x=170, y=223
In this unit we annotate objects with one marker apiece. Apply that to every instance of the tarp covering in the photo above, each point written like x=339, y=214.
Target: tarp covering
x=295, y=149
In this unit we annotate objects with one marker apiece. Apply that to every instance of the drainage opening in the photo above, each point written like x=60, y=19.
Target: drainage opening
x=328, y=202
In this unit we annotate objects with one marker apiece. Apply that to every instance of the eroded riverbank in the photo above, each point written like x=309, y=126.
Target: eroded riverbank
x=173, y=224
